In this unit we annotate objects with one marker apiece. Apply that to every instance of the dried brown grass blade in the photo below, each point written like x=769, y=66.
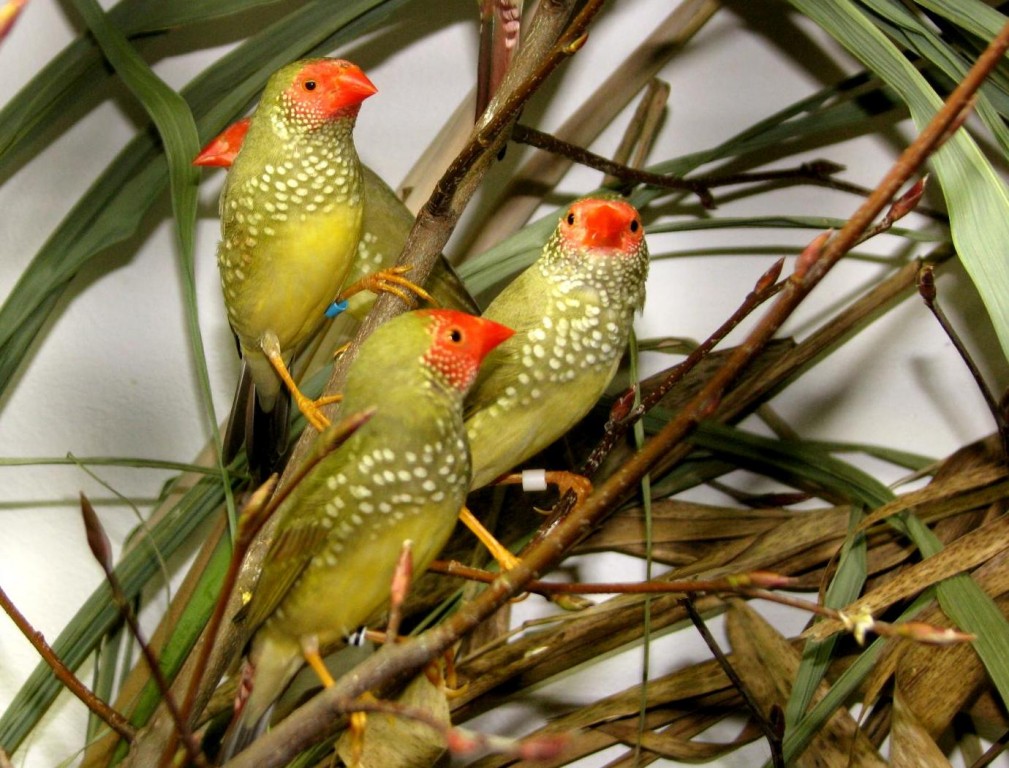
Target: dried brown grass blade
x=935, y=683
x=643, y=128
x=768, y=665
x=681, y=704
x=911, y=746
x=963, y=554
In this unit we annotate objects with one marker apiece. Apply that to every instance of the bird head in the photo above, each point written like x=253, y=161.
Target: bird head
x=614, y=226
x=317, y=91
x=459, y=343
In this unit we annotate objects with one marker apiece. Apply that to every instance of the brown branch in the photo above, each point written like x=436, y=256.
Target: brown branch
x=752, y=584
x=64, y=674
x=927, y=290
x=523, y=134
x=772, y=733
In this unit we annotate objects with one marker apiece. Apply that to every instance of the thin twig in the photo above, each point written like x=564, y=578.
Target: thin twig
x=927, y=290
x=991, y=754
x=64, y=674
x=101, y=548
x=772, y=734
x=523, y=134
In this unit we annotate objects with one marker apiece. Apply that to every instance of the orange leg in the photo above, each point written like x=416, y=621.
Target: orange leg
x=357, y=720
x=565, y=481
x=389, y=280
x=504, y=558
x=310, y=408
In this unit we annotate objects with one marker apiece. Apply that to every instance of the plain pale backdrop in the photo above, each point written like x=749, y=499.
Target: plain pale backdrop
x=112, y=373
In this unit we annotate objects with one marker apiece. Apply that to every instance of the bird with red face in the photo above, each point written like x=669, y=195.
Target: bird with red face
x=291, y=212
x=572, y=312
x=401, y=477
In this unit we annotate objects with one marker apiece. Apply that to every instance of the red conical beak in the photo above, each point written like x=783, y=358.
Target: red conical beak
x=350, y=86
x=489, y=335
x=605, y=223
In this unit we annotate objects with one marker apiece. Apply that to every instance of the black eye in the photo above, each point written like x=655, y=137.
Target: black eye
x=571, y=219
x=455, y=335
x=635, y=225
x=310, y=85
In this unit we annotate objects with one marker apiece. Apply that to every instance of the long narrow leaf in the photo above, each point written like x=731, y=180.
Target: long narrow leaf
x=977, y=199
x=112, y=208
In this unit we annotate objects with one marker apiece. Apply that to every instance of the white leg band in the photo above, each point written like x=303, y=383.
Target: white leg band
x=534, y=480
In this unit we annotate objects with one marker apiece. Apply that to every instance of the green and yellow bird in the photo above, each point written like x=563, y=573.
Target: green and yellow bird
x=402, y=476
x=572, y=311
x=291, y=212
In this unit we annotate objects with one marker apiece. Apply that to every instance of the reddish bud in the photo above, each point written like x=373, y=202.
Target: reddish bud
x=97, y=540
x=810, y=254
x=461, y=742
x=622, y=406
x=926, y=284
x=770, y=277
x=907, y=202
x=546, y=747
x=932, y=635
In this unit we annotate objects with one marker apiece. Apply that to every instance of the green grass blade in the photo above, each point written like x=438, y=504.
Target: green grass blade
x=181, y=143
x=71, y=83
x=112, y=208
x=99, y=612
x=907, y=28
x=977, y=199
x=798, y=737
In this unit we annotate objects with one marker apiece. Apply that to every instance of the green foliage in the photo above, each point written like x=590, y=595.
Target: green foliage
x=910, y=64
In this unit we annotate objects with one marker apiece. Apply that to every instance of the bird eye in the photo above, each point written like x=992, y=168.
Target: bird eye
x=455, y=335
x=571, y=219
x=310, y=85
x=635, y=225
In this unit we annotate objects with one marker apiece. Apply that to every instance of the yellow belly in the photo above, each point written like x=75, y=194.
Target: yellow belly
x=285, y=282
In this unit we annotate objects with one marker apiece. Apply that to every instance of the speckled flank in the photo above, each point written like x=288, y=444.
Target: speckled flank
x=379, y=488
x=573, y=310
x=311, y=178
x=576, y=335
x=403, y=475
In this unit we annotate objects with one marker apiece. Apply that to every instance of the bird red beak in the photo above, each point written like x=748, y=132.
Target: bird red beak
x=351, y=87
x=605, y=224
x=490, y=335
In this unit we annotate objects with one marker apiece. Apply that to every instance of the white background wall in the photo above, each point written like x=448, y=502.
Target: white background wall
x=112, y=373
